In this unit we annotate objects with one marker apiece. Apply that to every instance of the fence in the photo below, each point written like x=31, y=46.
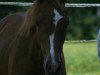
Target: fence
x=66, y=5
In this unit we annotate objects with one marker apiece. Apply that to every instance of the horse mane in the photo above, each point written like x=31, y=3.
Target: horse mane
x=33, y=15
x=25, y=38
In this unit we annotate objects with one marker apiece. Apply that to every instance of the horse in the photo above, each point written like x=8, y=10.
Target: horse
x=31, y=42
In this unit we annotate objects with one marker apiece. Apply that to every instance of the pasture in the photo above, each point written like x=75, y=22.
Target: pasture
x=81, y=58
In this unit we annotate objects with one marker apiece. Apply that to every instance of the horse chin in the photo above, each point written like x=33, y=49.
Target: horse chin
x=57, y=73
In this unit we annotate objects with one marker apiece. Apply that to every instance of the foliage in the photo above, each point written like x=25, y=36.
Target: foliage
x=81, y=58
x=83, y=24
x=6, y=10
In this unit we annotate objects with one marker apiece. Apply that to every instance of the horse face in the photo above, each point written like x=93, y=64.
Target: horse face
x=51, y=30
x=51, y=33
x=55, y=63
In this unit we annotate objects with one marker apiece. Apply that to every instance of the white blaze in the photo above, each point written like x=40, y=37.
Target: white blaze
x=52, y=48
x=57, y=17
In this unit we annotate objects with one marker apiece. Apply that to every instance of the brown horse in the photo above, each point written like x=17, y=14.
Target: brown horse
x=31, y=42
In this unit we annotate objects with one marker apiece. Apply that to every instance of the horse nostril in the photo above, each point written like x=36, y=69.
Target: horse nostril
x=54, y=68
x=51, y=67
x=48, y=67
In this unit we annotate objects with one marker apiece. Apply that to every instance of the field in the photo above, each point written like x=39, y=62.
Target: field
x=81, y=58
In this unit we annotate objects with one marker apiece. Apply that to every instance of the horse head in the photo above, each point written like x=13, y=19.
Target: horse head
x=51, y=30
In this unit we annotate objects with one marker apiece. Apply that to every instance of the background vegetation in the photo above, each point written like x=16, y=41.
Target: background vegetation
x=83, y=23
x=81, y=58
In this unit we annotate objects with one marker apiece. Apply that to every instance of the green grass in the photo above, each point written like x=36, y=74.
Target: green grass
x=81, y=58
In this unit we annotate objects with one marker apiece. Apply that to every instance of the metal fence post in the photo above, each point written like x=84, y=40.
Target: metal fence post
x=99, y=45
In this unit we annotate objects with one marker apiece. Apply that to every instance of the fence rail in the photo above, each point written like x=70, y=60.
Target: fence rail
x=66, y=5
x=80, y=41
